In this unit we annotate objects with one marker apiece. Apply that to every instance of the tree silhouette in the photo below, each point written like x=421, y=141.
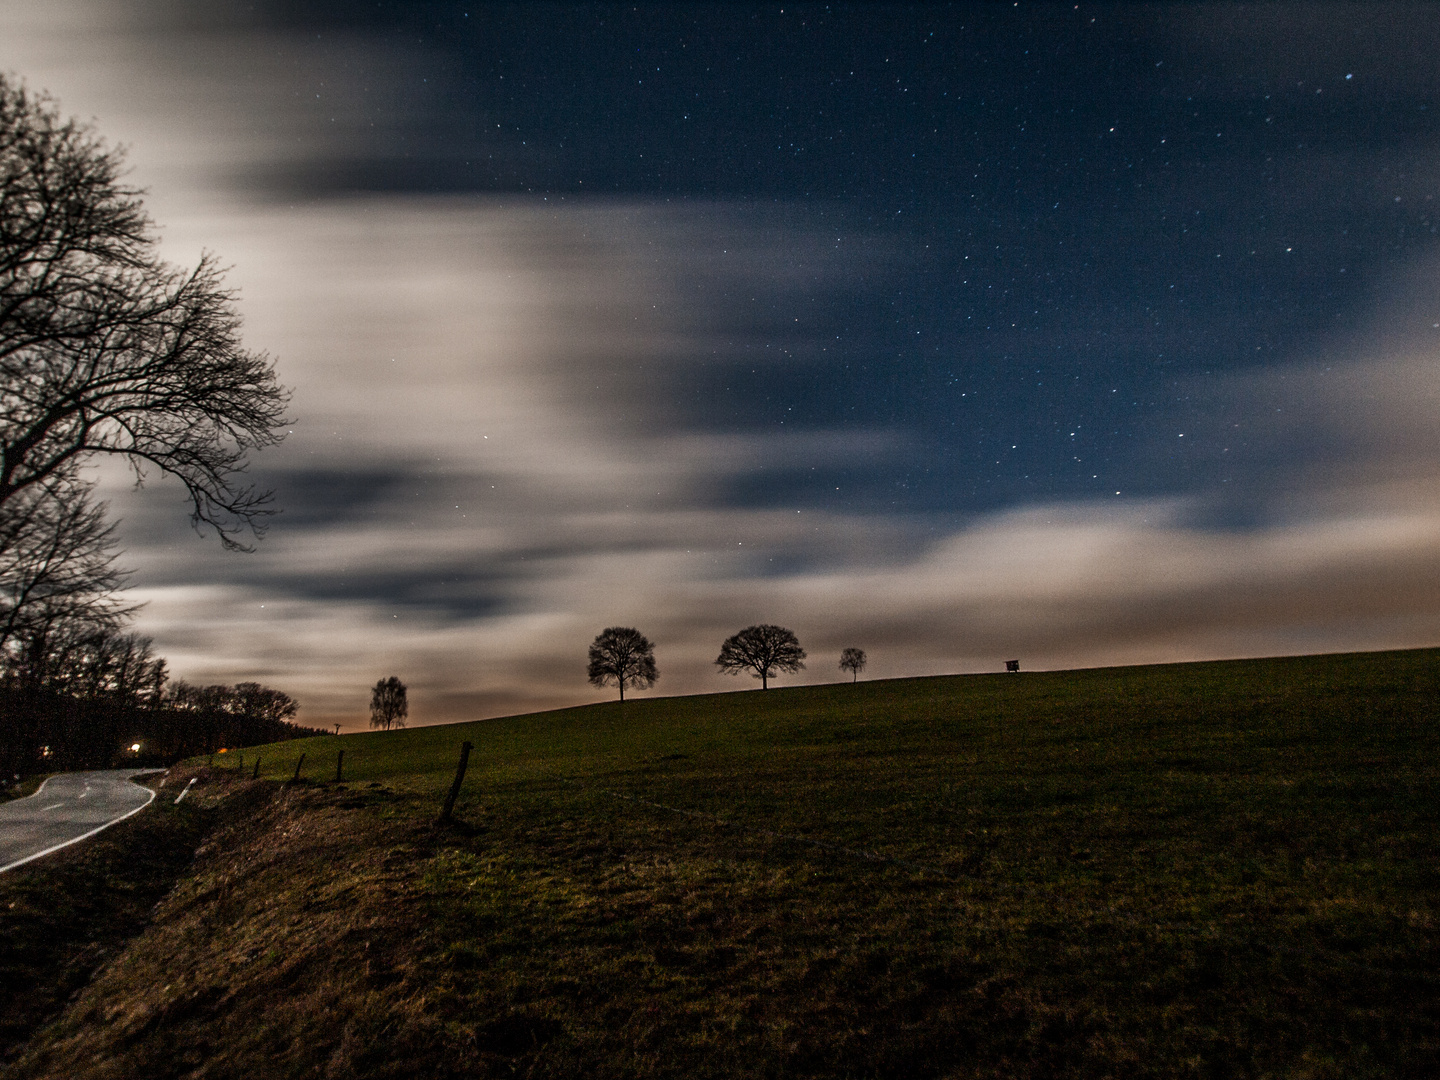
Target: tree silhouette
x=388, y=705
x=57, y=567
x=853, y=661
x=764, y=649
x=622, y=656
x=271, y=706
x=105, y=348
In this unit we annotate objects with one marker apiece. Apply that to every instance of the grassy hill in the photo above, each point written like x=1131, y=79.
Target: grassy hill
x=1219, y=869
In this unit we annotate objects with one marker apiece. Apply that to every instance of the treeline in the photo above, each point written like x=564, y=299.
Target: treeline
x=89, y=702
x=76, y=690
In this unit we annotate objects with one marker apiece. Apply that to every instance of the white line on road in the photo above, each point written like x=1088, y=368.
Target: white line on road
x=77, y=839
x=186, y=791
x=52, y=806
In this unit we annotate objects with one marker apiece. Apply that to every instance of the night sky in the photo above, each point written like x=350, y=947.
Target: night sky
x=1086, y=334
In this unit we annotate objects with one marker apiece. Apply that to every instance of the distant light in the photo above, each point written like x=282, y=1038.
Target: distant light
x=134, y=747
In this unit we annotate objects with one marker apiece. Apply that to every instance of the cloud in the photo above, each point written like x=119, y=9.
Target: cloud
x=1059, y=587
x=485, y=447
x=499, y=503
x=500, y=448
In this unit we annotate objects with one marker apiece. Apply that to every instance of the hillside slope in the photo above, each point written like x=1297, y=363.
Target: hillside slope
x=1223, y=869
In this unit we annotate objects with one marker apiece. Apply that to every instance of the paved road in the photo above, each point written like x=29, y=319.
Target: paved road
x=66, y=809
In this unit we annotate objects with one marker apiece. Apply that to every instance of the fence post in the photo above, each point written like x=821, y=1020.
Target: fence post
x=296, y=777
x=240, y=765
x=339, y=761
x=465, y=749
x=256, y=774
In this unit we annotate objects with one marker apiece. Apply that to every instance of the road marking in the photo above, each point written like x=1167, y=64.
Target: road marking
x=186, y=791
x=85, y=792
x=52, y=806
x=85, y=836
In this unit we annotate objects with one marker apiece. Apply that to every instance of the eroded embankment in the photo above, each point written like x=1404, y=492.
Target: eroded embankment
x=283, y=945
x=63, y=916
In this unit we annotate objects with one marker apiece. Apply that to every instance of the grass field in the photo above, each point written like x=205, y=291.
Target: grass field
x=1223, y=869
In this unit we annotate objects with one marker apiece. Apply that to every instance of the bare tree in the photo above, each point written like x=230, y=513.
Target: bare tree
x=765, y=649
x=622, y=656
x=104, y=348
x=262, y=702
x=57, y=563
x=120, y=667
x=853, y=661
x=388, y=704
x=242, y=715
x=53, y=652
x=216, y=698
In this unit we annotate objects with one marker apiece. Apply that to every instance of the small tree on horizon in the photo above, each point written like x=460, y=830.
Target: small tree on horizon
x=765, y=649
x=853, y=661
x=388, y=704
x=622, y=656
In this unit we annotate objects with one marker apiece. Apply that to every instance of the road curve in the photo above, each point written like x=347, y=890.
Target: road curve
x=68, y=808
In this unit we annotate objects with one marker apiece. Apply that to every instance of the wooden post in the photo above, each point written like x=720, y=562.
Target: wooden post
x=465, y=749
x=240, y=764
x=296, y=777
x=339, y=762
x=256, y=774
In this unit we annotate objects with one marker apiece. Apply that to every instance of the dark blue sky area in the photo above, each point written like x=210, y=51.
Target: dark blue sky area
x=1086, y=214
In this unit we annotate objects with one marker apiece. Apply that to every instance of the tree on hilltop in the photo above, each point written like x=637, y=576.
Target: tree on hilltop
x=853, y=661
x=388, y=704
x=764, y=649
x=622, y=656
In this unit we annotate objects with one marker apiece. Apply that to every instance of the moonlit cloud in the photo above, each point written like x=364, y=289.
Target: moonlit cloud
x=525, y=508
x=500, y=445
